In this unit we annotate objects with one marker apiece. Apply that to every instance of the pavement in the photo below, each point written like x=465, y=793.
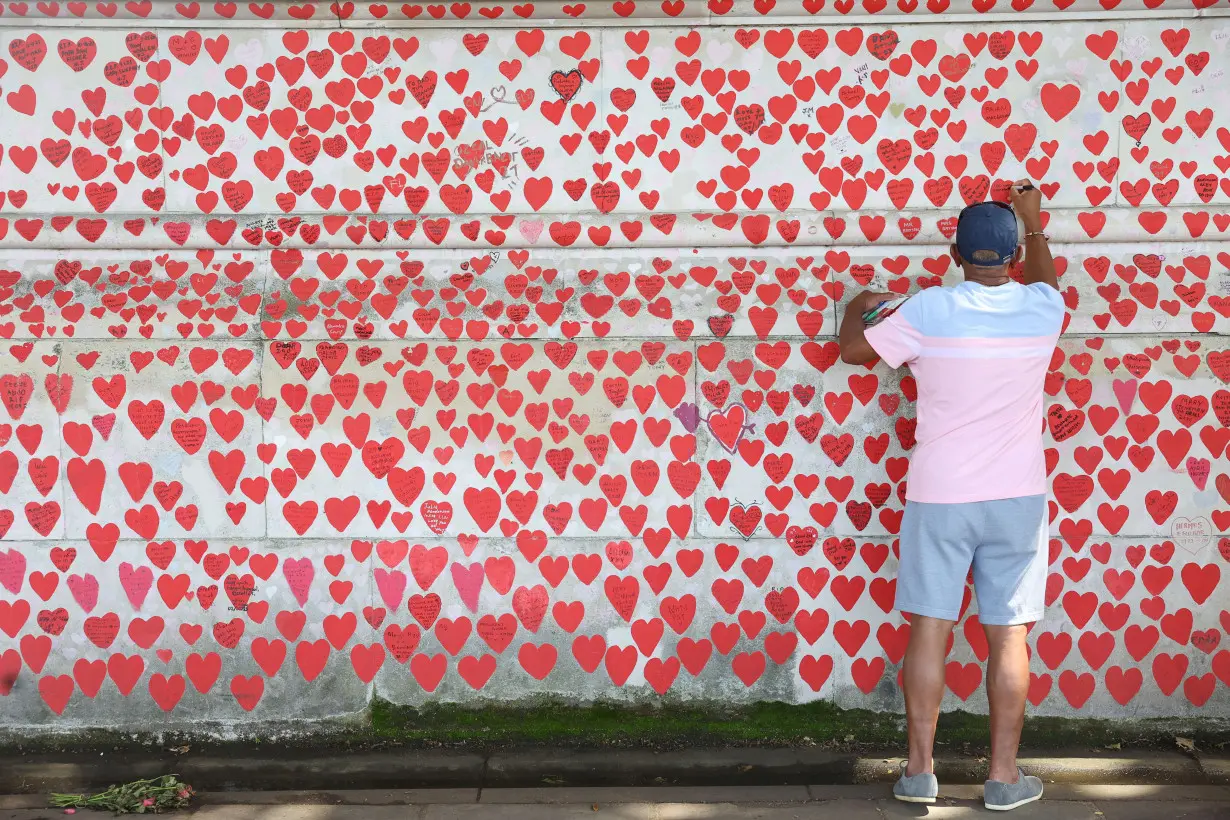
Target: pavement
x=696, y=784
x=286, y=770
x=865, y=802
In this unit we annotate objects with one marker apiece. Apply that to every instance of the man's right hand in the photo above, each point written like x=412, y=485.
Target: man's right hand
x=1039, y=265
x=868, y=299
x=1027, y=202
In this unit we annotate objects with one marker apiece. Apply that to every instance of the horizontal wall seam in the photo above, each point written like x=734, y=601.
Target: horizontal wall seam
x=1204, y=225
x=1053, y=213
x=670, y=337
x=490, y=539
x=775, y=20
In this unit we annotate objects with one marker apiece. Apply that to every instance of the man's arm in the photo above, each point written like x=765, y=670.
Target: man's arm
x=855, y=349
x=1039, y=265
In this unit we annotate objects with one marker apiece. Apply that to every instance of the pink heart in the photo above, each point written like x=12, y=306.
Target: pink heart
x=469, y=582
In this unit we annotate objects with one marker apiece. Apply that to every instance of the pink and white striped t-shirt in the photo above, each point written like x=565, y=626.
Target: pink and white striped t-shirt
x=980, y=356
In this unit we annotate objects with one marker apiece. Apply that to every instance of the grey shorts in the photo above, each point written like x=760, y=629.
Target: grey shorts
x=1005, y=540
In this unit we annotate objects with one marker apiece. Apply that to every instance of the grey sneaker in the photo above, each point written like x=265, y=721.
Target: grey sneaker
x=999, y=796
x=921, y=788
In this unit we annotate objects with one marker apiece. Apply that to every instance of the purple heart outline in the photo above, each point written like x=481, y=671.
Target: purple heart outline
x=743, y=430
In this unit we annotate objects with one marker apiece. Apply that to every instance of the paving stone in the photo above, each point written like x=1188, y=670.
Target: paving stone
x=627, y=811
x=649, y=794
x=962, y=809
x=348, y=797
x=1150, y=810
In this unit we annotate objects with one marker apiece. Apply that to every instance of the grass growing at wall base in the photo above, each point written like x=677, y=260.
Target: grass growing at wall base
x=606, y=725
x=609, y=725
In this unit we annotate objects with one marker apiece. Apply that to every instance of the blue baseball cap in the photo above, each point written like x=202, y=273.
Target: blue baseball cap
x=987, y=234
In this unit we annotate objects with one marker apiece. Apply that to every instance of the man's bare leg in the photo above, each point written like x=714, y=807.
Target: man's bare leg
x=924, y=686
x=1007, y=688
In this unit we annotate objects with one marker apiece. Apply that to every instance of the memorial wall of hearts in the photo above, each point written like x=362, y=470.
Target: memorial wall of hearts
x=486, y=351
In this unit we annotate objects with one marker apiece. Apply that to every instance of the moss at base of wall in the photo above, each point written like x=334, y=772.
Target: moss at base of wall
x=763, y=724
x=608, y=725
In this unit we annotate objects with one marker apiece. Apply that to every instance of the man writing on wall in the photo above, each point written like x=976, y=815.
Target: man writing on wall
x=976, y=495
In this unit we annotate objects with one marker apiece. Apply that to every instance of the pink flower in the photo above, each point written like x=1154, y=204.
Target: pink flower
x=149, y=801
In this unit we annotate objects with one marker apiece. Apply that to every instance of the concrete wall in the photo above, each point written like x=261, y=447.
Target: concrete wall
x=470, y=352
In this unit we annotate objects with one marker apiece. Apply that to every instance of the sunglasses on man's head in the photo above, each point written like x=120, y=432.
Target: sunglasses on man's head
x=994, y=202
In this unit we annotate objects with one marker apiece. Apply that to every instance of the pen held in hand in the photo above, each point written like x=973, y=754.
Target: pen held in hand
x=883, y=310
